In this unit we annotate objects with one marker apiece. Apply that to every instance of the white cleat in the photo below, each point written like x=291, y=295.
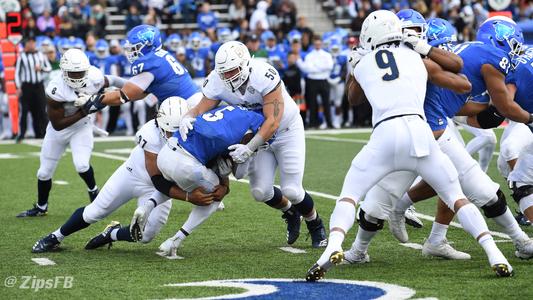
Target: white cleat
x=221, y=206
x=444, y=250
x=397, y=226
x=352, y=257
x=412, y=219
x=524, y=248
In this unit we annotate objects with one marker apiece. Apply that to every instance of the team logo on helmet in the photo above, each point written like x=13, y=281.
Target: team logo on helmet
x=503, y=31
x=146, y=36
x=435, y=30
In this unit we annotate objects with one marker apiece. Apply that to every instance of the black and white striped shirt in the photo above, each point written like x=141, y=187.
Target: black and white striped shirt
x=25, y=69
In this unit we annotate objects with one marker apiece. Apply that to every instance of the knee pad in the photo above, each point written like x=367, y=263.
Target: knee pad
x=293, y=193
x=262, y=195
x=489, y=118
x=497, y=208
x=367, y=225
x=46, y=170
x=93, y=213
x=81, y=167
x=521, y=192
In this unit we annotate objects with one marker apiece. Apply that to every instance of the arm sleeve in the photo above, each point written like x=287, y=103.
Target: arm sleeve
x=115, y=81
x=142, y=80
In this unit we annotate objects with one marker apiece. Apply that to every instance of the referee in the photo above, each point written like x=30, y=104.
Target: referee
x=30, y=88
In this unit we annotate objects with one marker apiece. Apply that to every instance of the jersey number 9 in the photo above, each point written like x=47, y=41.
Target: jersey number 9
x=385, y=60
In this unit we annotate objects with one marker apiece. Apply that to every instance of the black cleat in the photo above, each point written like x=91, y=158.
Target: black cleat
x=33, y=212
x=294, y=220
x=46, y=244
x=103, y=238
x=318, y=233
x=315, y=273
x=502, y=270
x=93, y=194
x=521, y=219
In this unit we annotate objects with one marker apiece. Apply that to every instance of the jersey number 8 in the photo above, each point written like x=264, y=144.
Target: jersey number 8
x=385, y=60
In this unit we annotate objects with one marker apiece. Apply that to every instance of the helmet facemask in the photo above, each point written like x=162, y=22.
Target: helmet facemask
x=237, y=79
x=133, y=51
x=75, y=79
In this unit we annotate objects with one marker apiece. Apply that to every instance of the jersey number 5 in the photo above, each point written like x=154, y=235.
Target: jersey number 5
x=218, y=115
x=385, y=60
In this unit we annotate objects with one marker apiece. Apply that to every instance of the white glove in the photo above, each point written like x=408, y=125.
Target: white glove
x=81, y=100
x=224, y=166
x=413, y=41
x=355, y=55
x=240, y=153
x=139, y=219
x=170, y=246
x=186, y=125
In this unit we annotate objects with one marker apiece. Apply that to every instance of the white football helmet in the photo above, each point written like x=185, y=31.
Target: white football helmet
x=75, y=67
x=380, y=27
x=233, y=55
x=170, y=112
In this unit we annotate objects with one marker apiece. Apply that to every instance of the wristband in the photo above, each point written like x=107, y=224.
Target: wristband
x=186, y=196
x=123, y=97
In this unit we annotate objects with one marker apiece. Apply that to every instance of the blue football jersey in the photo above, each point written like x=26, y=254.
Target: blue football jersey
x=197, y=59
x=170, y=77
x=98, y=62
x=338, y=66
x=277, y=54
x=217, y=129
x=474, y=55
x=522, y=77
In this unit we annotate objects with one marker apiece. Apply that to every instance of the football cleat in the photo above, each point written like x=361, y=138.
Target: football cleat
x=103, y=238
x=93, y=194
x=352, y=257
x=397, y=226
x=221, y=206
x=503, y=270
x=444, y=250
x=524, y=248
x=411, y=219
x=318, y=233
x=521, y=219
x=46, y=244
x=33, y=212
x=315, y=273
x=294, y=220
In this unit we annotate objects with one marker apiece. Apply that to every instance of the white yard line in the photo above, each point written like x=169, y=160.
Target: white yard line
x=292, y=250
x=43, y=261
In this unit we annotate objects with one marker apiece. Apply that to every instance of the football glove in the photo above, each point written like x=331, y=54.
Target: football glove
x=224, y=166
x=186, y=125
x=240, y=153
x=355, y=55
x=94, y=104
x=169, y=247
x=413, y=41
x=81, y=100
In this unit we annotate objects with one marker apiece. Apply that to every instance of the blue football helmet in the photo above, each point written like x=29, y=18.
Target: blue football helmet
x=224, y=35
x=440, y=32
x=63, y=45
x=267, y=35
x=412, y=19
x=142, y=40
x=78, y=44
x=101, y=48
x=195, y=40
x=294, y=36
x=335, y=47
x=173, y=42
x=503, y=33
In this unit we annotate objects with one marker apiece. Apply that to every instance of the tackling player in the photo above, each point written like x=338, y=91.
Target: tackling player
x=239, y=79
x=69, y=124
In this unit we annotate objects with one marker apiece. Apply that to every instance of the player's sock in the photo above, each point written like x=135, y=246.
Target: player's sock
x=88, y=177
x=362, y=241
x=74, y=223
x=276, y=199
x=510, y=226
x=493, y=253
x=43, y=190
x=58, y=235
x=403, y=203
x=311, y=217
x=122, y=234
x=305, y=207
x=198, y=215
x=335, y=240
x=286, y=207
x=438, y=233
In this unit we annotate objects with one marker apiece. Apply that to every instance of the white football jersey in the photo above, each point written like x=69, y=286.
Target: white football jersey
x=263, y=79
x=59, y=91
x=523, y=170
x=148, y=138
x=394, y=81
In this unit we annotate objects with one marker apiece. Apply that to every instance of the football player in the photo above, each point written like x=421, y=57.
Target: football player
x=138, y=177
x=154, y=71
x=185, y=162
x=198, y=56
x=239, y=79
x=402, y=139
x=69, y=124
x=486, y=68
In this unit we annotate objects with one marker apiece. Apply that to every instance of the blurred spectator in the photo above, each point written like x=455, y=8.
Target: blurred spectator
x=133, y=18
x=207, y=20
x=30, y=89
x=39, y=6
x=259, y=20
x=287, y=16
x=317, y=65
x=31, y=29
x=66, y=28
x=182, y=59
x=152, y=18
x=254, y=47
x=46, y=22
x=236, y=12
x=357, y=22
x=292, y=77
x=79, y=22
x=303, y=28
x=98, y=21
